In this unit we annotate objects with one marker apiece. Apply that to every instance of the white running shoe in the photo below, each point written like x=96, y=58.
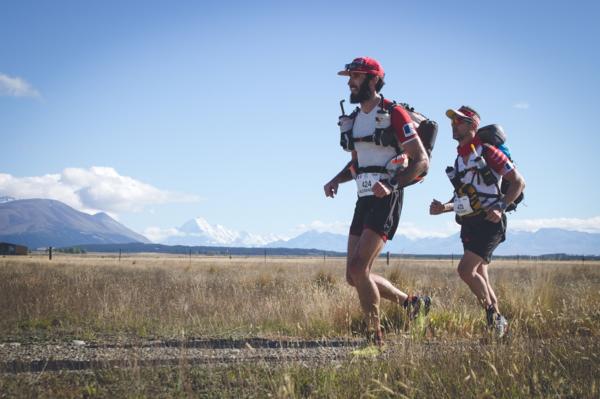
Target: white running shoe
x=500, y=325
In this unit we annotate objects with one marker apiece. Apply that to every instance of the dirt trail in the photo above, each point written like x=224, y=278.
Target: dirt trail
x=18, y=358
x=53, y=356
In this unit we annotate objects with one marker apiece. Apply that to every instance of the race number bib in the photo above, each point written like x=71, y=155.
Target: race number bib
x=366, y=181
x=462, y=205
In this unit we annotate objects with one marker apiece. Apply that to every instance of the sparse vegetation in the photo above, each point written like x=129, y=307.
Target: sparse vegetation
x=553, y=348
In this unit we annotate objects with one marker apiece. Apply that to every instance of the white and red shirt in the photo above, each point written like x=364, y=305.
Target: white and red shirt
x=498, y=162
x=370, y=154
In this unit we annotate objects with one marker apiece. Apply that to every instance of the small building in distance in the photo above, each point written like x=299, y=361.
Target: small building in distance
x=12, y=249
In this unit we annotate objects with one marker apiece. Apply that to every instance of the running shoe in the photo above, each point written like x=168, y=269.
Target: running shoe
x=416, y=302
x=375, y=338
x=500, y=326
x=427, y=301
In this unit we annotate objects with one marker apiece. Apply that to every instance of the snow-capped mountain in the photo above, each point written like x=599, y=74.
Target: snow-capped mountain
x=6, y=198
x=199, y=231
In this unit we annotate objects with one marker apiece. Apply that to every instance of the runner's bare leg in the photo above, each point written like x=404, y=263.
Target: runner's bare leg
x=386, y=289
x=483, y=271
x=467, y=269
x=367, y=247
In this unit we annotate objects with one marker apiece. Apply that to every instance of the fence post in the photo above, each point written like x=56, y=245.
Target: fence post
x=49, y=253
x=388, y=258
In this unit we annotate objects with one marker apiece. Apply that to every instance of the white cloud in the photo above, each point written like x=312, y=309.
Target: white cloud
x=322, y=227
x=412, y=231
x=157, y=234
x=90, y=190
x=590, y=225
x=16, y=87
x=521, y=105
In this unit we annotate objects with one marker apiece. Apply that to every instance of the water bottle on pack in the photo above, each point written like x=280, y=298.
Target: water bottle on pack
x=484, y=170
x=345, y=122
x=383, y=119
x=454, y=179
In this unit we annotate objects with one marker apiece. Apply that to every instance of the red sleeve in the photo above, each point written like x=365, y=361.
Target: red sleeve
x=497, y=160
x=403, y=125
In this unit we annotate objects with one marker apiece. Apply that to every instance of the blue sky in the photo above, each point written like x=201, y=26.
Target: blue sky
x=159, y=112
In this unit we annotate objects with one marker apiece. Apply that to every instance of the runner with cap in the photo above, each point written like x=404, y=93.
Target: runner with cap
x=479, y=207
x=379, y=204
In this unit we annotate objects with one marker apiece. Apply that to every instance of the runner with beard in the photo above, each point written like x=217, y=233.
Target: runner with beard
x=377, y=212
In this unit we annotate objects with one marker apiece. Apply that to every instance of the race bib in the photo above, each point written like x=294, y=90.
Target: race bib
x=462, y=205
x=365, y=182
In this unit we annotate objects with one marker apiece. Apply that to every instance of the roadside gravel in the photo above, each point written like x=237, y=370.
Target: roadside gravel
x=79, y=355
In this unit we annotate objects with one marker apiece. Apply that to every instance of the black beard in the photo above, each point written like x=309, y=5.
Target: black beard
x=364, y=93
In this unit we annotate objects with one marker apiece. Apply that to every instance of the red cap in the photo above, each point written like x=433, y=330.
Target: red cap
x=363, y=65
x=465, y=112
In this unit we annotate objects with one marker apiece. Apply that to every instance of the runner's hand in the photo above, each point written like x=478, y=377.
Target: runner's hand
x=493, y=215
x=381, y=189
x=436, y=207
x=331, y=188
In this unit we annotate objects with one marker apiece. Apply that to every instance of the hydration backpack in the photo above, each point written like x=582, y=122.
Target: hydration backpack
x=494, y=135
x=425, y=127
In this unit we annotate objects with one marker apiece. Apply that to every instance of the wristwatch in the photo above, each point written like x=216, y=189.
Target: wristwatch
x=501, y=204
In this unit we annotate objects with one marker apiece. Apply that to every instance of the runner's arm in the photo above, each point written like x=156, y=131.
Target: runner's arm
x=503, y=166
x=517, y=184
x=345, y=175
x=417, y=165
x=436, y=207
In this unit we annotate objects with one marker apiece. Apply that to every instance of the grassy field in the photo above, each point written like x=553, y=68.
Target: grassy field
x=553, y=349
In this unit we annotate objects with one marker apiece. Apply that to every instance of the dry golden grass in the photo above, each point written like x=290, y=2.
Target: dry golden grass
x=553, y=307
x=93, y=296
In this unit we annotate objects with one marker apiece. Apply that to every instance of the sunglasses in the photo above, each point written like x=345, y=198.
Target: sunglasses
x=457, y=120
x=356, y=65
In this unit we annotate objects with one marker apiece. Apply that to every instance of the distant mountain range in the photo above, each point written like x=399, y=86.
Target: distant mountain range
x=543, y=241
x=43, y=222
x=199, y=232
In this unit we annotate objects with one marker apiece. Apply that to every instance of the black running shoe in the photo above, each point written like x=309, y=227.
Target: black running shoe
x=427, y=301
x=416, y=303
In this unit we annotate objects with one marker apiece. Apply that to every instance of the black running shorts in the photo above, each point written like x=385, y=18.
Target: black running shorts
x=378, y=214
x=482, y=237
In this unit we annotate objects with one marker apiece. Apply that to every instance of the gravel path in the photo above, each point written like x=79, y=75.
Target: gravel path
x=78, y=355
x=38, y=357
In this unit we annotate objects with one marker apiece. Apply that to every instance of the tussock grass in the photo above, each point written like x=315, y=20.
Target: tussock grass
x=91, y=297
x=553, y=349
